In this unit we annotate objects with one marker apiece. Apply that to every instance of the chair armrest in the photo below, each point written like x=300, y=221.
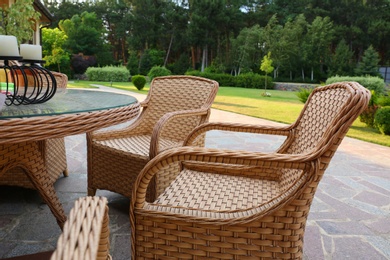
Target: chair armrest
x=132, y=129
x=86, y=232
x=201, y=130
x=163, y=123
x=308, y=164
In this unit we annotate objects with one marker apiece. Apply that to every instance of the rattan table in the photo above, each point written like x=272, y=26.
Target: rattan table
x=75, y=112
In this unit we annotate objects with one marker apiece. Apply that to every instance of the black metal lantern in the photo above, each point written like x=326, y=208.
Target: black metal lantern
x=29, y=83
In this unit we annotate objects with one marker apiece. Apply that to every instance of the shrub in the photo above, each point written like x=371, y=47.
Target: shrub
x=158, y=71
x=303, y=94
x=368, y=115
x=372, y=83
x=382, y=120
x=384, y=101
x=108, y=73
x=139, y=81
x=244, y=80
x=251, y=80
x=80, y=63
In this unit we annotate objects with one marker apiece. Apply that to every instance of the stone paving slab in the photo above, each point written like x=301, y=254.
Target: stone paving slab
x=349, y=218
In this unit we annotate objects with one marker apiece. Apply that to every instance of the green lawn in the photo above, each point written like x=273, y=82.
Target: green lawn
x=282, y=106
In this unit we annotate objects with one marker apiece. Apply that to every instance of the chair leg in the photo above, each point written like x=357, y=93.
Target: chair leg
x=66, y=173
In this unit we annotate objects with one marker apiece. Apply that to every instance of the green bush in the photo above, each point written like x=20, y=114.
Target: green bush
x=382, y=120
x=244, y=80
x=372, y=83
x=108, y=73
x=251, y=80
x=303, y=94
x=158, y=71
x=384, y=101
x=368, y=115
x=139, y=81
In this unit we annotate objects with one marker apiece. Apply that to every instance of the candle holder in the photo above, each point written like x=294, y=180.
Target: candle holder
x=29, y=83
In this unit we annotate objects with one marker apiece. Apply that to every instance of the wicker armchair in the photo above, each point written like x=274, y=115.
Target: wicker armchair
x=227, y=204
x=86, y=234
x=53, y=150
x=175, y=105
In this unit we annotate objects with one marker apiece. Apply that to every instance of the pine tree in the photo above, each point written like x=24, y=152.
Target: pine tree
x=342, y=60
x=369, y=63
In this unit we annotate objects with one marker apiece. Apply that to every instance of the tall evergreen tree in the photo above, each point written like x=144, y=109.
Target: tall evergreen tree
x=341, y=64
x=317, y=44
x=369, y=63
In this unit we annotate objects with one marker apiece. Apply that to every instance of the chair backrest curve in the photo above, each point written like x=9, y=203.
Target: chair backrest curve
x=322, y=125
x=175, y=93
x=327, y=116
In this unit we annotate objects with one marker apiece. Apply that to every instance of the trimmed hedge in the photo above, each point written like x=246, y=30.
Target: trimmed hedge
x=372, y=83
x=244, y=80
x=108, y=73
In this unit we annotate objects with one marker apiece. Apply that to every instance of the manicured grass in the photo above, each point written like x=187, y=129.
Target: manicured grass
x=282, y=106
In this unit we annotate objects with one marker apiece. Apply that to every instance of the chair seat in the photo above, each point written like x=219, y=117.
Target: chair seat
x=208, y=193
x=136, y=145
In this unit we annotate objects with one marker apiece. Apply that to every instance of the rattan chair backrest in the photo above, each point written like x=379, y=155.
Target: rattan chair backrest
x=177, y=93
x=324, y=121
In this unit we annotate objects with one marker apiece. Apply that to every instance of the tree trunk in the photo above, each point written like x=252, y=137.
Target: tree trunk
x=312, y=74
x=168, y=51
x=193, y=57
x=204, y=58
x=123, y=51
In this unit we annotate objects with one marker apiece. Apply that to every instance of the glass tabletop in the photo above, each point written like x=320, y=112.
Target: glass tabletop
x=73, y=101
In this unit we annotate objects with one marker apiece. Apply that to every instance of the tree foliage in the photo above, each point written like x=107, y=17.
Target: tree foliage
x=52, y=49
x=341, y=63
x=84, y=33
x=369, y=63
x=266, y=66
x=19, y=20
x=303, y=36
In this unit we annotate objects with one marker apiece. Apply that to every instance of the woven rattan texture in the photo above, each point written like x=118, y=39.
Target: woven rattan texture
x=39, y=128
x=54, y=154
x=53, y=151
x=224, y=192
x=28, y=156
x=240, y=204
x=175, y=105
x=86, y=233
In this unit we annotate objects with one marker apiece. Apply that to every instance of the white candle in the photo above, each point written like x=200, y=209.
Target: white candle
x=8, y=46
x=31, y=52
